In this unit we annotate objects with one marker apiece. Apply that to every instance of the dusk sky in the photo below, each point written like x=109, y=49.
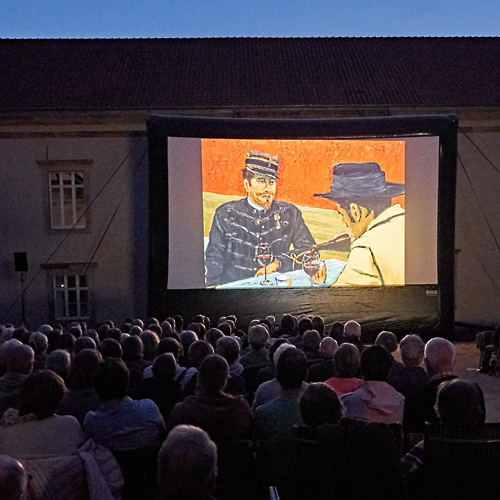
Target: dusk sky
x=238, y=18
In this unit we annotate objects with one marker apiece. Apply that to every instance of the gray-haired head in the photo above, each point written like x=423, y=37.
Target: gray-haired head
x=388, y=340
x=59, y=361
x=347, y=360
x=328, y=347
x=38, y=342
x=412, y=350
x=187, y=463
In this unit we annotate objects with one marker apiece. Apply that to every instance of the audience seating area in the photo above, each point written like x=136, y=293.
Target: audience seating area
x=72, y=413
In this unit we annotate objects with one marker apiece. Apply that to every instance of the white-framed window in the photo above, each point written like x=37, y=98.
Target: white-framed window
x=67, y=200
x=71, y=296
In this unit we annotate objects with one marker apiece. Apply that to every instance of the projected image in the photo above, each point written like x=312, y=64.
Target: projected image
x=303, y=213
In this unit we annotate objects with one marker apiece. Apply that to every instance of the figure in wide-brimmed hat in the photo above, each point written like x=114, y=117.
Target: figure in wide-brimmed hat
x=374, y=226
x=240, y=227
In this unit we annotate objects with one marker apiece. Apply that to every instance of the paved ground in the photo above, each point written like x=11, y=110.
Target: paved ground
x=466, y=366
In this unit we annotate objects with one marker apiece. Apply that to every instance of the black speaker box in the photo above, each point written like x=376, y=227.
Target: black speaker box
x=20, y=262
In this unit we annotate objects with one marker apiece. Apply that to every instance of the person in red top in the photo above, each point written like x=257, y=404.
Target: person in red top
x=346, y=360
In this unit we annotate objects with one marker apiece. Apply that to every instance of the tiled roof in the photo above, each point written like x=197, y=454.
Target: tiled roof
x=117, y=74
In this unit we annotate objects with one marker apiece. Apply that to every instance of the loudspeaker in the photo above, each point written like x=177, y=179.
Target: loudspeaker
x=20, y=262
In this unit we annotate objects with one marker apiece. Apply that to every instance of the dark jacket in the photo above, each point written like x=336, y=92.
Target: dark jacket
x=238, y=228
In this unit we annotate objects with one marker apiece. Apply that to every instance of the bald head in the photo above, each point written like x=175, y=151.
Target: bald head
x=352, y=329
x=439, y=356
x=13, y=479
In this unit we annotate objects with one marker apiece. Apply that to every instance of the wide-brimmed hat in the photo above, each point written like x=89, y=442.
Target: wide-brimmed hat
x=361, y=180
x=262, y=163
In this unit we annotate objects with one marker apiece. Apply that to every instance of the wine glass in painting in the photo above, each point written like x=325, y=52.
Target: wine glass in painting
x=264, y=257
x=311, y=264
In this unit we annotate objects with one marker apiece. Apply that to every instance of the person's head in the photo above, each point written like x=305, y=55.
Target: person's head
x=45, y=329
x=138, y=322
x=166, y=329
x=155, y=329
x=337, y=331
x=198, y=351
x=212, y=336
x=102, y=331
x=259, y=178
x=76, y=331
x=439, y=356
x=319, y=405
x=18, y=358
x=110, y=348
x=67, y=342
x=328, y=348
x=229, y=349
x=198, y=328
x=13, y=479
x=460, y=402
x=347, y=359
x=187, y=464
x=164, y=367
x=225, y=328
x=388, y=340
x=212, y=376
x=151, y=321
x=59, y=361
x=132, y=349
x=84, y=343
x=305, y=324
x=291, y=369
x=41, y=393
x=93, y=335
x=111, y=379
x=352, y=331
x=179, y=323
x=82, y=369
x=188, y=337
x=38, y=342
x=150, y=342
x=135, y=330
x=274, y=347
x=114, y=333
x=311, y=341
x=318, y=324
x=412, y=350
x=169, y=344
x=376, y=362
x=258, y=336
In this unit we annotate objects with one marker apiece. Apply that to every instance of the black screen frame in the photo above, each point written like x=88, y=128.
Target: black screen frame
x=445, y=127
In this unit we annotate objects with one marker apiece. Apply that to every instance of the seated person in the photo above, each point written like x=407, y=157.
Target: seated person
x=258, y=355
x=459, y=402
x=352, y=334
x=229, y=349
x=375, y=400
x=81, y=397
x=412, y=376
x=325, y=369
x=13, y=479
x=187, y=465
x=161, y=387
x=19, y=360
x=347, y=359
x=197, y=352
x=121, y=423
x=224, y=417
x=390, y=342
x=272, y=388
x=487, y=342
x=310, y=346
x=275, y=420
x=439, y=360
x=34, y=431
x=320, y=405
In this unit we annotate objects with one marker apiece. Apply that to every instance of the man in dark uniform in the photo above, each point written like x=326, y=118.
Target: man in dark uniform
x=240, y=226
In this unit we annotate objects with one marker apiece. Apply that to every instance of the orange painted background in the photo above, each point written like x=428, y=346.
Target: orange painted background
x=305, y=166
